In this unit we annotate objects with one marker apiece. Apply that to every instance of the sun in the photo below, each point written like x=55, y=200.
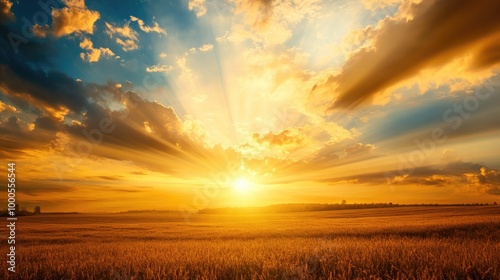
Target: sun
x=241, y=185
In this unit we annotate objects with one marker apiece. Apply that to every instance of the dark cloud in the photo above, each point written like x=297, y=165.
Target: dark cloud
x=437, y=32
x=16, y=139
x=462, y=176
x=47, y=89
x=50, y=102
x=26, y=76
x=47, y=123
x=142, y=131
x=41, y=186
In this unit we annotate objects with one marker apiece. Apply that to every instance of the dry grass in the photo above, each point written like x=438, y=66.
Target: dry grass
x=394, y=243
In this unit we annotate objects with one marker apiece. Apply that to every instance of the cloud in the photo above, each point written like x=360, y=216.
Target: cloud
x=450, y=156
x=341, y=152
x=94, y=54
x=75, y=18
x=380, y=4
x=186, y=75
x=486, y=180
x=287, y=137
x=7, y=108
x=5, y=12
x=40, y=31
x=34, y=187
x=488, y=55
x=461, y=177
x=165, y=134
x=126, y=31
x=266, y=22
x=42, y=90
x=127, y=44
x=155, y=28
x=55, y=110
x=358, y=149
x=198, y=6
x=18, y=136
x=206, y=48
x=159, y=68
x=429, y=34
x=257, y=12
x=127, y=37
x=163, y=55
x=75, y=3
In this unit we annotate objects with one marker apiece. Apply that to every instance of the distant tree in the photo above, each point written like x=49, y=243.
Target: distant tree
x=344, y=202
x=37, y=210
x=495, y=203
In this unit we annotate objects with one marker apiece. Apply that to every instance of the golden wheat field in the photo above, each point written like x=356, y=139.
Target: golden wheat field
x=388, y=243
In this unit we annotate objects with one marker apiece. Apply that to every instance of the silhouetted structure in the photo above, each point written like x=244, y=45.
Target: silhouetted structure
x=37, y=210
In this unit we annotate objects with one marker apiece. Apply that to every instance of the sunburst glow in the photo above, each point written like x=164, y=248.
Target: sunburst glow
x=241, y=185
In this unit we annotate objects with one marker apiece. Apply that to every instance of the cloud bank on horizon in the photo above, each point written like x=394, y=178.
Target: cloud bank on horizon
x=311, y=101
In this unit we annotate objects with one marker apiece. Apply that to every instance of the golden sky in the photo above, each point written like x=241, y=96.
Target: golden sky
x=194, y=104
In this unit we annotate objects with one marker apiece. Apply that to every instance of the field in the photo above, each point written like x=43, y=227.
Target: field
x=387, y=243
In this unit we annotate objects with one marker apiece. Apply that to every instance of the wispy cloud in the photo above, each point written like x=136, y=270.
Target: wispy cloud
x=159, y=68
x=126, y=37
x=206, y=48
x=155, y=28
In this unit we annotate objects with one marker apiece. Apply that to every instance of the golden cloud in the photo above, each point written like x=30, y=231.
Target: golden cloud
x=75, y=18
x=94, y=54
x=198, y=6
x=421, y=36
x=40, y=31
x=287, y=137
x=127, y=37
x=155, y=28
x=7, y=108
